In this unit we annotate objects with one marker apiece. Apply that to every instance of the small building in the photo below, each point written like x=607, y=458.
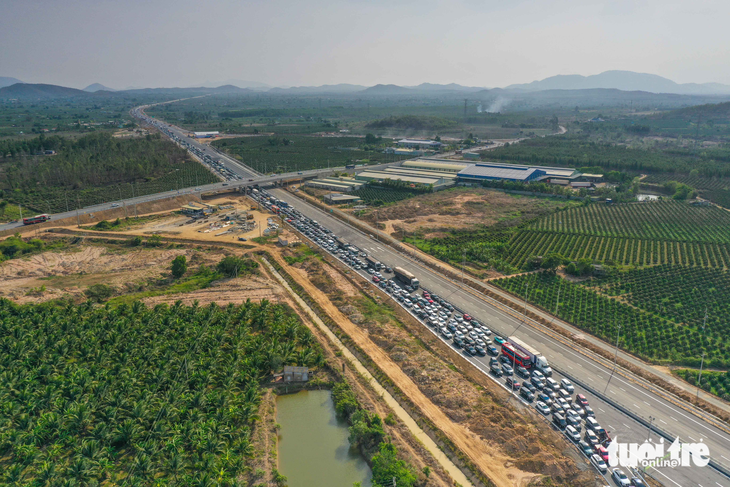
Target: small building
x=341, y=199
x=296, y=374
x=581, y=184
x=419, y=144
x=197, y=210
x=472, y=156
x=593, y=178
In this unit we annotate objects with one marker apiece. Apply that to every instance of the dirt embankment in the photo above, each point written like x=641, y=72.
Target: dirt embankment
x=458, y=208
x=509, y=446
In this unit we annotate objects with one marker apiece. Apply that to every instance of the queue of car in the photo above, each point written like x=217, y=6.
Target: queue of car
x=550, y=397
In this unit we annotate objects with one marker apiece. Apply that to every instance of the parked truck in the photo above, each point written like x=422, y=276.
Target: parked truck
x=528, y=356
x=374, y=263
x=404, y=276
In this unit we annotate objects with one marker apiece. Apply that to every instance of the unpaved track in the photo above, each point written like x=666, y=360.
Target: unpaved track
x=490, y=461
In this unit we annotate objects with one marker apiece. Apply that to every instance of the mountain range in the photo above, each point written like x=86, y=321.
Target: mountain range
x=626, y=81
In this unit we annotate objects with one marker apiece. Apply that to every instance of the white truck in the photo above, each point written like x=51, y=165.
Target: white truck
x=538, y=361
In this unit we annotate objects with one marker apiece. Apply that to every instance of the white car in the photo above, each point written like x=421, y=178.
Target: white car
x=565, y=383
x=572, y=433
x=599, y=463
x=620, y=478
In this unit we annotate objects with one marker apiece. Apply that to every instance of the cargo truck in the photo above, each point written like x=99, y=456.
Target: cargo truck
x=406, y=277
x=375, y=264
x=526, y=356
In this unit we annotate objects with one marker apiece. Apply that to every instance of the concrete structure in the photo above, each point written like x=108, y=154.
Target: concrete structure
x=341, y=199
x=435, y=165
x=205, y=135
x=503, y=172
x=419, y=144
x=472, y=156
x=399, y=151
x=296, y=374
x=420, y=173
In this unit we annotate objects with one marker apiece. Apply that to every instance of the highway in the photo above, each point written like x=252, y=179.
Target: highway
x=625, y=408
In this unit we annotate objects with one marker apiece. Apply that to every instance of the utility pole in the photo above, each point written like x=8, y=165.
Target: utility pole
x=615, y=358
x=65, y=195
x=702, y=362
x=648, y=433
x=78, y=219
x=465, y=100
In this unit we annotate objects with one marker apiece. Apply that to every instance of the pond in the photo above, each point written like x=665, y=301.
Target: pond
x=313, y=445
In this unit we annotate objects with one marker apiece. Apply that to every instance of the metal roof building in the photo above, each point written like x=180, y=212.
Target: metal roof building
x=419, y=144
x=419, y=172
x=383, y=175
x=479, y=172
x=337, y=184
x=435, y=165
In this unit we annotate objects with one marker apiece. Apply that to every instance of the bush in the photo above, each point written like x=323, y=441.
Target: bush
x=99, y=292
x=232, y=266
x=179, y=266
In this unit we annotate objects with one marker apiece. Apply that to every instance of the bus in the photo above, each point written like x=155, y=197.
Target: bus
x=36, y=219
x=515, y=356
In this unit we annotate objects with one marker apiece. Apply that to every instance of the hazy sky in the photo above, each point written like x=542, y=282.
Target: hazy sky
x=487, y=43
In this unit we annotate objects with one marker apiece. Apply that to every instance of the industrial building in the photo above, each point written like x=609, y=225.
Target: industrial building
x=443, y=165
x=335, y=184
x=205, y=135
x=419, y=144
x=379, y=176
x=506, y=172
x=341, y=199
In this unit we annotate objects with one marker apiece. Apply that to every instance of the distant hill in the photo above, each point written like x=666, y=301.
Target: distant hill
x=339, y=88
x=94, y=87
x=712, y=111
x=254, y=85
x=187, y=91
x=387, y=90
x=8, y=81
x=28, y=90
x=431, y=87
x=621, y=80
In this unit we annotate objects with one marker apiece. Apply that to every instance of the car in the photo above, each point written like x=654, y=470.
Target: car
x=598, y=462
x=557, y=408
x=375, y=279
x=544, y=398
x=481, y=351
x=564, y=394
x=492, y=351
x=602, y=452
x=513, y=384
x=581, y=399
x=637, y=482
x=543, y=408
x=585, y=448
x=537, y=383
x=527, y=394
x=507, y=369
x=115, y=205
x=552, y=384
x=579, y=410
x=471, y=350
x=589, y=412
x=567, y=385
x=591, y=437
x=496, y=370
x=499, y=339
x=572, y=433
x=559, y=420
x=529, y=387
x=522, y=372
x=620, y=478
x=592, y=424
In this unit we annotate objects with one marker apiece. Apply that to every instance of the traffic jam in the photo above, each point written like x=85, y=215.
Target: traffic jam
x=513, y=364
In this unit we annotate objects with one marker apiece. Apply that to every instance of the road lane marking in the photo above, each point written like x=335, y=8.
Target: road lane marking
x=673, y=418
x=636, y=406
x=647, y=403
x=661, y=420
x=629, y=427
x=726, y=458
x=672, y=481
x=601, y=410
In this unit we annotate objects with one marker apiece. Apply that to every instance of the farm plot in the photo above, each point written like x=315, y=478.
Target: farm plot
x=380, y=196
x=95, y=395
x=714, y=382
x=646, y=334
x=615, y=250
x=660, y=220
x=299, y=152
x=676, y=292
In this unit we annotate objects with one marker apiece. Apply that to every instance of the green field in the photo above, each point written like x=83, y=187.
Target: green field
x=380, y=196
x=289, y=153
x=131, y=394
x=92, y=169
x=712, y=381
x=654, y=336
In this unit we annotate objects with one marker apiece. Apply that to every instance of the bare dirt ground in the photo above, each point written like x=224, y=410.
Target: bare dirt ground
x=458, y=208
x=226, y=291
x=508, y=448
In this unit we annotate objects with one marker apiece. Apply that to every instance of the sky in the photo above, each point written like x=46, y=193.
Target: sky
x=486, y=43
